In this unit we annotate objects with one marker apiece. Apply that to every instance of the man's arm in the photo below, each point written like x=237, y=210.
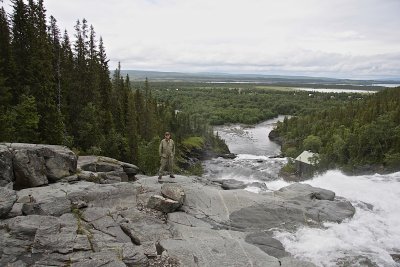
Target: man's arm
x=160, y=148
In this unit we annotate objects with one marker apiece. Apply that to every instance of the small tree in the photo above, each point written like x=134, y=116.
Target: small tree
x=312, y=143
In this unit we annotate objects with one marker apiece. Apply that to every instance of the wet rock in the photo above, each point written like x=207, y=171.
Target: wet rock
x=291, y=262
x=232, y=184
x=262, y=186
x=163, y=204
x=227, y=156
x=174, y=192
x=274, y=136
x=268, y=244
x=295, y=205
x=7, y=199
x=305, y=192
x=395, y=257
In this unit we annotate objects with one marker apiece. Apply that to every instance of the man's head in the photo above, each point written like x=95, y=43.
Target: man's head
x=167, y=135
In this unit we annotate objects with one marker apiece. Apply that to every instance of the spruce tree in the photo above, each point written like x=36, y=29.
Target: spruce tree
x=6, y=117
x=107, y=123
x=43, y=85
x=5, y=62
x=67, y=82
x=21, y=46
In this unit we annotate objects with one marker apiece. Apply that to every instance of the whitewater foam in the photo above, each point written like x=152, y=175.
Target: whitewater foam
x=369, y=237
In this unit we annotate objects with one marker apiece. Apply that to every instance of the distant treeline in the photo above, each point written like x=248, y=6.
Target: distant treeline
x=243, y=103
x=360, y=133
x=56, y=91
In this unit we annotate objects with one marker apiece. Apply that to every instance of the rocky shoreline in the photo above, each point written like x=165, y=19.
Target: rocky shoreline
x=101, y=212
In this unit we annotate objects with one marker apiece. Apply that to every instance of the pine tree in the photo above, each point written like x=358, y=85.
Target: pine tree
x=67, y=82
x=6, y=115
x=21, y=47
x=43, y=86
x=93, y=78
x=5, y=62
x=105, y=90
x=117, y=100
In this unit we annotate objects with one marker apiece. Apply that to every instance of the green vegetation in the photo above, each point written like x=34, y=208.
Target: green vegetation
x=195, y=142
x=242, y=103
x=56, y=91
x=360, y=133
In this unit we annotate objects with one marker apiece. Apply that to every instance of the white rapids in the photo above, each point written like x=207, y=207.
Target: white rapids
x=368, y=239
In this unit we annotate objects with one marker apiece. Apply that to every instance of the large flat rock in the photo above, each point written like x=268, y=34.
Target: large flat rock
x=91, y=224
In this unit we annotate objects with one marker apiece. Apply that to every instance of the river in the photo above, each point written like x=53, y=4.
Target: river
x=368, y=239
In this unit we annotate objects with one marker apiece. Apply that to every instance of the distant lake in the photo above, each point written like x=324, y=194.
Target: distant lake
x=391, y=85
x=329, y=90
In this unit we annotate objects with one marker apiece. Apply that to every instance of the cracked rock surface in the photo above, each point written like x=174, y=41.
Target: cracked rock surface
x=81, y=223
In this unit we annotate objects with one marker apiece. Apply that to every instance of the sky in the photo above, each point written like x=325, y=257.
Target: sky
x=322, y=38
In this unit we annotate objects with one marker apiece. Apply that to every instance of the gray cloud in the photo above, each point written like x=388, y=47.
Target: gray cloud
x=341, y=38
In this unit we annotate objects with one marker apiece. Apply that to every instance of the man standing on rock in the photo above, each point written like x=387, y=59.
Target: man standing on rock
x=167, y=152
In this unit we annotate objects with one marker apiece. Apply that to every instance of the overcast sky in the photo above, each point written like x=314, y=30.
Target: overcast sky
x=332, y=38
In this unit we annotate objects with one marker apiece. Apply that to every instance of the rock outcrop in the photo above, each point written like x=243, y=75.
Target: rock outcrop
x=105, y=170
x=7, y=199
x=6, y=169
x=30, y=165
x=181, y=222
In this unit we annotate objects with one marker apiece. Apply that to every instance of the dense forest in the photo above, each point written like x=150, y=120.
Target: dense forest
x=243, y=103
x=361, y=133
x=56, y=90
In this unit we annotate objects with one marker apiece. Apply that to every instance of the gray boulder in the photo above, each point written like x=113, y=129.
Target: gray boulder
x=29, y=169
x=6, y=169
x=109, y=167
x=36, y=165
x=98, y=164
x=305, y=192
x=163, y=204
x=7, y=199
x=232, y=184
x=291, y=207
x=174, y=192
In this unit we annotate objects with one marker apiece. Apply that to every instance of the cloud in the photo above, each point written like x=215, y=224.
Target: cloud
x=345, y=38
